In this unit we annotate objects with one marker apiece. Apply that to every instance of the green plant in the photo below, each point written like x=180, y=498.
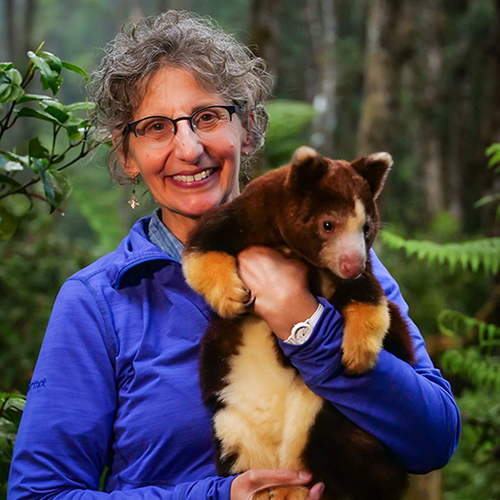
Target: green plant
x=11, y=408
x=494, y=164
x=475, y=361
x=35, y=263
x=473, y=470
x=40, y=138
x=45, y=158
x=474, y=255
x=287, y=121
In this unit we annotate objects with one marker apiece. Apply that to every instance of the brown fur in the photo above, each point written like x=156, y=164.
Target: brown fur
x=293, y=208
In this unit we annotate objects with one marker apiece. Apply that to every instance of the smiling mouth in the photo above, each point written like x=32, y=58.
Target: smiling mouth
x=194, y=178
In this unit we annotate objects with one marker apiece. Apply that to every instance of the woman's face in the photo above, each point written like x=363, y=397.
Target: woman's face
x=169, y=171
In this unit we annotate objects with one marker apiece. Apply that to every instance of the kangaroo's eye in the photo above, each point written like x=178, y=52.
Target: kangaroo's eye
x=366, y=229
x=328, y=226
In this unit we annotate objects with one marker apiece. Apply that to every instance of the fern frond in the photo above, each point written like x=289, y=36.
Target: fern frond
x=480, y=370
x=485, y=200
x=455, y=323
x=475, y=254
x=493, y=198
x=493, y=152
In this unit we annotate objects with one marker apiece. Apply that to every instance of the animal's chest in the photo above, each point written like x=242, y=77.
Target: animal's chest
x=268, y=410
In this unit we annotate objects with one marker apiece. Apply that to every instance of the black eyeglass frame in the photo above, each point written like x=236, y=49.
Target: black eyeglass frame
x=132, y=126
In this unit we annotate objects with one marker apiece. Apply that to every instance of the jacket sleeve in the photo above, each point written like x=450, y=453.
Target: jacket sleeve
x=67, y=425
x=410, y=409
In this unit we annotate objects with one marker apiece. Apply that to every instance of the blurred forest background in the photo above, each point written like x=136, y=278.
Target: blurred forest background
x=419, y=79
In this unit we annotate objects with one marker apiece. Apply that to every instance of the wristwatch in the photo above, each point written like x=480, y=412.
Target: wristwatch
x=302, y=331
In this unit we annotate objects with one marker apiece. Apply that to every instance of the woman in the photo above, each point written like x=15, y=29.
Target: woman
x=118, y=367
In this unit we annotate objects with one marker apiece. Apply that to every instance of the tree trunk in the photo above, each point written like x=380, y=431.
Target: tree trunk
x=322, y=24
x=490, y=312
x=29, y=24
x=457, y=153
x=10, y=25
x=427, y=487
x=492, y=132
x=381, y=77
x=264, y=28
x=430, y=143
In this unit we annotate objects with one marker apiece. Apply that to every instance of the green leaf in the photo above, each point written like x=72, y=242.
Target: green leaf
x=57, y=188
x=53, y=61
x=59, y=114
x=62, y=186
x=23, y=160
x=36, y=97
x=35, y=113
x=36, y=149
x=9, y=181
x=10, y=85
x=5, y=66
x=3, y=160
x=472, y=254
x=482, y=371
x=11, y=409
x=41, y=64
x=9, y=402
x=80, y=106
x=56, y=184
x=492, y=198
x=493, y=152
x=55, y=84
x=75, y=69
x=48, y=76
x=8, y=224
x=58, y=159
x=74, y=132
x=40, y=166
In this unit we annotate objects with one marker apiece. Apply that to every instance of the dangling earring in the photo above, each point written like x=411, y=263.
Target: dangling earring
x=134, y=202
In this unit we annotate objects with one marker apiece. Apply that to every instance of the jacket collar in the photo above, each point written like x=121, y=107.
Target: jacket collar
x=134, y=250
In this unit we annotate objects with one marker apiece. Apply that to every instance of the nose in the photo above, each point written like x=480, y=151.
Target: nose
x=352, y=265
x=187, y=145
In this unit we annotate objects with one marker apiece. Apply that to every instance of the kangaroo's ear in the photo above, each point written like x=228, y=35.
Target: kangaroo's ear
x=307, y=167
x=374, y=169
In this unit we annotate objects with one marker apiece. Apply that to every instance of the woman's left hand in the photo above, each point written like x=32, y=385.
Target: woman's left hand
x=279, y=286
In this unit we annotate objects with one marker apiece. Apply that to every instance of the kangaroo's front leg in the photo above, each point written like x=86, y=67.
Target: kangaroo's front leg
x=215, y=276
x=365, y=326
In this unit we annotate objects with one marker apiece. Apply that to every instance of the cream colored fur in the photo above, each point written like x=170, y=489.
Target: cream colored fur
x=269, y=408
x=348, y=239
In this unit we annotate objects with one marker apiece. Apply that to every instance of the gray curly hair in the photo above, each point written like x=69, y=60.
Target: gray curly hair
x=219, y=63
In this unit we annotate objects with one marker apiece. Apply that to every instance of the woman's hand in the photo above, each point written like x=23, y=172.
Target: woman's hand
x=279, y=286
x=246, y=485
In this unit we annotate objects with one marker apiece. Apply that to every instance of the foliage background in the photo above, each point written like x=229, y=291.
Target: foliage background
x=440, y=116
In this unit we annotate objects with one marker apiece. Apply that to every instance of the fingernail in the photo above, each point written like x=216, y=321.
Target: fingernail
x=304, y=474
x=321, y=488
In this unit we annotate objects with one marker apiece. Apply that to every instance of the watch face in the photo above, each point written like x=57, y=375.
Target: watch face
x=302, y=333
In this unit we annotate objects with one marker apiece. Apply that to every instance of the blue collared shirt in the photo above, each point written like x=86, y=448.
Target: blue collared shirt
x=163, y=238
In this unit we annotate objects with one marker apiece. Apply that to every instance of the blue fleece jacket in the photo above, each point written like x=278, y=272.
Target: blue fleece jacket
x=116, y=385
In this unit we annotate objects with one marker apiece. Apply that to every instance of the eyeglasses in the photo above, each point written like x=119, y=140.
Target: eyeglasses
x=158, y=131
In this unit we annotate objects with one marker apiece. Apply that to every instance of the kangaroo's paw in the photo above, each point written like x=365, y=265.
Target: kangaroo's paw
x=215, y=276
x=365, y=328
